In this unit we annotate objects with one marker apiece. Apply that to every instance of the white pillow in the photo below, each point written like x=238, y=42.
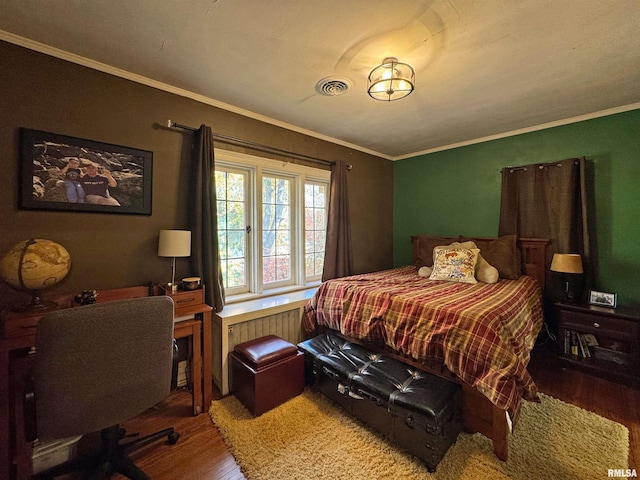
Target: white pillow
x=425, y=271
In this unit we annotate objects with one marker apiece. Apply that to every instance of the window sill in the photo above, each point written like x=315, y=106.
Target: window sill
x=245, y=297
x=246, y=307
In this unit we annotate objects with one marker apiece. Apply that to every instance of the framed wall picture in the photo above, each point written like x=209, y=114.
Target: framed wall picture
x=602, y=299
x=58, y=172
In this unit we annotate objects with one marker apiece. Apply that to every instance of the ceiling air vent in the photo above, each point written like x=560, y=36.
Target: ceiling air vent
x=333, y=86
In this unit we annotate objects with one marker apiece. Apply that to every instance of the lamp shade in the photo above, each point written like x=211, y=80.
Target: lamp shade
x=174, y=243
x=566, y=263
x=391, y=80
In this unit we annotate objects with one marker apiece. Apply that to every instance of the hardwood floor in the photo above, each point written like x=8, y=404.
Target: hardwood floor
x=608, y=399
x=201, y=453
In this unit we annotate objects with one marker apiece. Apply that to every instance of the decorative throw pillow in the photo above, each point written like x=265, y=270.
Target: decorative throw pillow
x=454, y=264
x=502, y=253
x=485, y=272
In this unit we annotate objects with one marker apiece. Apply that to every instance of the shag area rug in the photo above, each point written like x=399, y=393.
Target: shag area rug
x=311, y=438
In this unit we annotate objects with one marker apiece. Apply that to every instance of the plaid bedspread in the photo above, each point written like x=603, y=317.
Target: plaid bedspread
x=482, y=333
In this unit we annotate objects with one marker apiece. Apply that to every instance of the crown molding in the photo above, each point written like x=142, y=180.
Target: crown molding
x=535, y=128
x=103, y=67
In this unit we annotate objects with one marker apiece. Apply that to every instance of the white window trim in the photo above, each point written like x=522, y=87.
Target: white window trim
x=302, y=174
x=248, y=172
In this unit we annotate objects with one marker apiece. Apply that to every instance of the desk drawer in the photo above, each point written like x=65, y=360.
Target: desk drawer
x=20, y=324
x=187, y=298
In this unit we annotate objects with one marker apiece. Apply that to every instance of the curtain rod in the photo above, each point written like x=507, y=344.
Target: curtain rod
x=540, y=166
x=254, y=145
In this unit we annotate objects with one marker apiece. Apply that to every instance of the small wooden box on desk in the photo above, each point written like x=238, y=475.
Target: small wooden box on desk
x=617, y=331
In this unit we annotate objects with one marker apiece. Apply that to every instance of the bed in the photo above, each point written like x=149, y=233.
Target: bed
x=477, y=334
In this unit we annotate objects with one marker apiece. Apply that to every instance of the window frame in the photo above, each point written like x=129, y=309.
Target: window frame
x=236, y=169
x=256, y=167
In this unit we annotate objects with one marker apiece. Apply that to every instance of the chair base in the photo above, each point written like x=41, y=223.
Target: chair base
x=111, y=458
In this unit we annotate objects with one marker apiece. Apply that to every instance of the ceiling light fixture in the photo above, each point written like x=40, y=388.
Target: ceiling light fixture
x=391, y=80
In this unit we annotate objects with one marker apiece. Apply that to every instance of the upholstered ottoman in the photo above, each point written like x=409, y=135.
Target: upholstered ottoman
x=420, y=412
x=266, y=372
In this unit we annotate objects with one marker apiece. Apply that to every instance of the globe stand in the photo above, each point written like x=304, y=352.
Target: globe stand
x=37, y=305
x=40, y=305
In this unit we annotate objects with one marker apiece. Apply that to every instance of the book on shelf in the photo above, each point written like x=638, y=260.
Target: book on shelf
x=579, y=344
x=575, y=350
x=584, y=348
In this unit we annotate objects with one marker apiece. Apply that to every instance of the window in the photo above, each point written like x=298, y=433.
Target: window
x=315, y=227
x=272, y=220
x=276, y=229
x=231, y=194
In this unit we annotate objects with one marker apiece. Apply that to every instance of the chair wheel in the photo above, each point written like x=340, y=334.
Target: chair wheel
x=172, y=439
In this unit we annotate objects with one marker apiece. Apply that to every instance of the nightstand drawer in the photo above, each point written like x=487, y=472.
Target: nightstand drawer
x=614, y=328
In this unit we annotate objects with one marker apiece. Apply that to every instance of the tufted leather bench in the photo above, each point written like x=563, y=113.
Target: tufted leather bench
x=266, y=372
x=419, y=411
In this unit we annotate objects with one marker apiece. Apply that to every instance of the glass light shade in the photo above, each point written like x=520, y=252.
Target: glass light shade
x=174, y=243
x=566, y=263
x=391, y=81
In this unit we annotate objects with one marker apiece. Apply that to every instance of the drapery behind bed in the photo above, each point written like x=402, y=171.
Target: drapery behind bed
x=549, y=201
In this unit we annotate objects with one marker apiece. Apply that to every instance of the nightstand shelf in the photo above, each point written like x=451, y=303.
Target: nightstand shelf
x=618, y=334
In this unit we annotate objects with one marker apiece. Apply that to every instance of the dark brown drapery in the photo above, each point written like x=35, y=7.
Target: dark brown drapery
x=205, y=255
x=337, y=257
x=548, y=201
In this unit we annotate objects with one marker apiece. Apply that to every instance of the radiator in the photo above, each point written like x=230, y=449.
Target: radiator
x=286, y=325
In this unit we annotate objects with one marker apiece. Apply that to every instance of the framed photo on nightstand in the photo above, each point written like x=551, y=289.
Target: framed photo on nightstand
x=602, y=299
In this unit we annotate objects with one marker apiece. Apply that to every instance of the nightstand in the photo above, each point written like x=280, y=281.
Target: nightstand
x=617, y=332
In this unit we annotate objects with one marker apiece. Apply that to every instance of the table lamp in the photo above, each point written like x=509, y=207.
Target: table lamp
x=174, y=243
x=570, y=266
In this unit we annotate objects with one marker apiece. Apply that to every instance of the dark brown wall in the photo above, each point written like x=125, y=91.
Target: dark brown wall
x=109, y=251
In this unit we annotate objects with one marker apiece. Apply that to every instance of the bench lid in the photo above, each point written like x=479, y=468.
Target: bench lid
x=264, y=351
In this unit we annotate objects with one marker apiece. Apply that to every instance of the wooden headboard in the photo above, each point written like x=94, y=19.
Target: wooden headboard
x=533, y=254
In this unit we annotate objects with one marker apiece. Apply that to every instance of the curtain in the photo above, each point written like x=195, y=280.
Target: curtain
x=337, y=257
x=549, y=201
x=203, y=221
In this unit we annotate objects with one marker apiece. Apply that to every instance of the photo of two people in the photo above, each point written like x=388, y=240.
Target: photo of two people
x=67, y=173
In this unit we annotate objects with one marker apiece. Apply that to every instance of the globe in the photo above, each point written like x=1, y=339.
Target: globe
x=34, y=265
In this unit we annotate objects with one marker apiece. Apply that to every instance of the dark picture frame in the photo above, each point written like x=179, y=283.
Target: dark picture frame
x=603, y=299
x=60, y=172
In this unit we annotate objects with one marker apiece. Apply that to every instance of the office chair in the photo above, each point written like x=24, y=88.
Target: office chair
x=96, y=366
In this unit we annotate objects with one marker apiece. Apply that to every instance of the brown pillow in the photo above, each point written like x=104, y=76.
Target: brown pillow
x=502, y=253
x=423, y=246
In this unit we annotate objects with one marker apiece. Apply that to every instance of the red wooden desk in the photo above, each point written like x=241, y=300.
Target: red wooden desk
x=18, y=337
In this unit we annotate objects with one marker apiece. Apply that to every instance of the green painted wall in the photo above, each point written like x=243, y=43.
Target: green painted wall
x=458, y=191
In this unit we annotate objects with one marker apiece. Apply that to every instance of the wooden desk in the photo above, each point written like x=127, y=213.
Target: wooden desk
x=205, y=385
x=191, y=329
x=18, y=337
